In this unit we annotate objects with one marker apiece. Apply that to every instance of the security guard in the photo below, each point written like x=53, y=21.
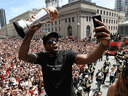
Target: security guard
x=121, y=65
x=86, y=85
x=79, y=93
x=86, y=71
x=105, y=71
x=92, y=69
x=108, y=63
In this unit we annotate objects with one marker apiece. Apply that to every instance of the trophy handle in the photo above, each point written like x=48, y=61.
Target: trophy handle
x=48, y=14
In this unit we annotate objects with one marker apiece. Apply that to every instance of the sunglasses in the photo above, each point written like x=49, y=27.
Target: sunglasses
x=51, y=41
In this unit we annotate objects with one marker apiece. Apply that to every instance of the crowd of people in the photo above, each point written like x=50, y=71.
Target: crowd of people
x=18, y=78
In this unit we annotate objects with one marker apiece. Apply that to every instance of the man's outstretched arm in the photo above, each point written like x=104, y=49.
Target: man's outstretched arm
x=96, y=54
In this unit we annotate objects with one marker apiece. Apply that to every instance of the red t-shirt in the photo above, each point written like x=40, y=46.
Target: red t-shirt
x=3, y=77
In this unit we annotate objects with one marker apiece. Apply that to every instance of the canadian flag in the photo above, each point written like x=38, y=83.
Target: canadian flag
x=38, y=31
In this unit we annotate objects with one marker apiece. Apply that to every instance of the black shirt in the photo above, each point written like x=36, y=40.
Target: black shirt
x=79, y=94
x=57, y=73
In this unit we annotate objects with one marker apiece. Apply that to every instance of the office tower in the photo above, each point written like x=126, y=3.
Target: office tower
x=118, y=5
x=2, y=18
x=54, y=3
x=70, y=1
x=122, y=5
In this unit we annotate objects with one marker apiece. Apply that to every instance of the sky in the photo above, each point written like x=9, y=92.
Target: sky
x=14, y=8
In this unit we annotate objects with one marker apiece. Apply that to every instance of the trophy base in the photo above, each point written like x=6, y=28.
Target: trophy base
x=19, y=29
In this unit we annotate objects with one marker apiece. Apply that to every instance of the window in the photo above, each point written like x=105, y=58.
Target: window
x=107, y=13
x=104, y=12
x=100, y=11
x=103, y=20
x=106, y=20
x=112, y=14
x=48, y=29
x=65, y=20
x=97, y=11
x=52, y=23
x=111, y=27
x=72, y=19
x=59, y=21
x=56, y=29
x=109, y=21
x=52, y=29
x=87, y=18
x=55, y=22
x=117, y=15
x=59, y=28
x=69, y=20
x=112, y=21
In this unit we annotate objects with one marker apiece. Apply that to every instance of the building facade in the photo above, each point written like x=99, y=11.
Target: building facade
x=75, y=19
x=70, y=1
x=2, y=18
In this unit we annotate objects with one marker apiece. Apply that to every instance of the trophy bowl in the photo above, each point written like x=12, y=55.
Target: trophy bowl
x=44, y=16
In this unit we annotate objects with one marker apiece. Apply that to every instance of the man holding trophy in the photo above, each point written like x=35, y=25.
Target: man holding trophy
x=57, y=65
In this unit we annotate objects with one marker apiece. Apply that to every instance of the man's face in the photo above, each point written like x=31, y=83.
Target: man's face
x=51, y=47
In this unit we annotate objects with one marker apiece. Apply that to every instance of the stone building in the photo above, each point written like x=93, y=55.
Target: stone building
x=75, y=19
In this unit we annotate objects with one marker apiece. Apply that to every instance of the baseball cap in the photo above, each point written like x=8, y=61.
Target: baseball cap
x=86, y=76
x=42, y=88
x=46, y=36
x=86, y=67
x=99, y=69
x=79, y=88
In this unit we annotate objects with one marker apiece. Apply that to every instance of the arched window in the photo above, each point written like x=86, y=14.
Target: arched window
x=87, y=31
x=69, y=31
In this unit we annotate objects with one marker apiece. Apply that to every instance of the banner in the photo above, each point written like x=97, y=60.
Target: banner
x=38, y=31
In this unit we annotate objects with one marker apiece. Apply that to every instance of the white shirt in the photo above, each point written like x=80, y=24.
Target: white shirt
x=112, y=73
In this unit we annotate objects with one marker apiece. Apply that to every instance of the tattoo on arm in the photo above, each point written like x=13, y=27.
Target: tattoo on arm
x=32, y=58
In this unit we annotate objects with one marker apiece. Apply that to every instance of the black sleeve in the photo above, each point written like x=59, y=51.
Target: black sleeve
x=72, y=55
x=40, y=57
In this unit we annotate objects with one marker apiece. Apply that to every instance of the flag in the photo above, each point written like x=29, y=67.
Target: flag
x=38, y=31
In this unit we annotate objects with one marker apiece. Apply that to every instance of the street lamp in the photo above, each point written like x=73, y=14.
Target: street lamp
x=77, y=22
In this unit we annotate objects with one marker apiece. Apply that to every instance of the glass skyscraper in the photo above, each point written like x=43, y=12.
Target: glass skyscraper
x=122, y=5
x=2, y=18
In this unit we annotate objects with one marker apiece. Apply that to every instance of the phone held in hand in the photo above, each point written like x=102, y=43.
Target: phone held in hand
x=96, y=24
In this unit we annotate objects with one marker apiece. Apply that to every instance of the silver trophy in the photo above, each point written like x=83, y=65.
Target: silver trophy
x=44, y=16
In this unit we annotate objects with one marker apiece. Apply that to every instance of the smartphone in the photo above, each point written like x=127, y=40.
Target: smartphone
x=96, y=24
